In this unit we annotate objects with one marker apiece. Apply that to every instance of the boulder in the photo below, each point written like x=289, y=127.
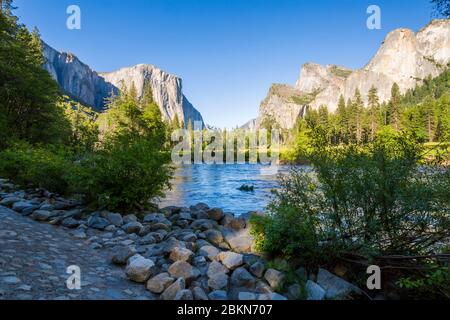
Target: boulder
x=181, y=254
x=246, y=296
x=199, y=294
x=160, y=282
x=295, y=291
x=184, y=295
x=314, y=291
x=9, y=200
x=218, y=295
x=70, y=223
x=97, y=222
x=335, y=287
x=42, y=215
x=214, y=236
x=275, y=278
x=216, y=267
x=182, y=269
x=217, y=281
x=199, y=207
x=139, y=269
x=171, y=292
x=239, y=241
x=231, y=260
x=257, y=269
x=215, y=214
x=209, y=252
x=203, y=224
x=22, y=205
x=242, y=278
x=121, y=254
x=115, y=219
x=129, y=218
x=132, y=227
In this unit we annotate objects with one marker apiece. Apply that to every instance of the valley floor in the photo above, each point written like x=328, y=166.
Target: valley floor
x=34, y=258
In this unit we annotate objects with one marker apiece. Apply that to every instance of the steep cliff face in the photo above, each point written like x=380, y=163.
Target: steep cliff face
x=76, y=78
x=167, y=90
x=404, y=57
x=91, y=88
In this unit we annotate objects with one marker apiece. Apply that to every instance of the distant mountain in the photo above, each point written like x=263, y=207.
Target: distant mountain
x=83, y=84
x=404, y=57
x=249, y=126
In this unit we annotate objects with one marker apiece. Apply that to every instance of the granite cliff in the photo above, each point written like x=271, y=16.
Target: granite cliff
x=404, y=57
x=85, y=85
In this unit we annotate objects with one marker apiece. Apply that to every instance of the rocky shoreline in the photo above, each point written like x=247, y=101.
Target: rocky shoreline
x=176, y=253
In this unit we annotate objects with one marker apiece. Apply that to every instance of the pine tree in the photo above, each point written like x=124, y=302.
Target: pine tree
x=342, y=119
x=394, y=107
x=374, y=111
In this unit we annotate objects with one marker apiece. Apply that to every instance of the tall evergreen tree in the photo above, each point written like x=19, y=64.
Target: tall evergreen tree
x=394, y=107
x=374, y=111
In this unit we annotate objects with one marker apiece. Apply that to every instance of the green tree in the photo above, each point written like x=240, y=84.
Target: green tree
x=393, y=112
x=373, y=111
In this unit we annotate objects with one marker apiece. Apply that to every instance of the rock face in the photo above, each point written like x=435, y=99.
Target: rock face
x=404, y=57
x=83, y=84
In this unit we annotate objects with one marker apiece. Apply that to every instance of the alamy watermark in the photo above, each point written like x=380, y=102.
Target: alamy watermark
x=374, y=20
x=74, y=20
x=73, y=282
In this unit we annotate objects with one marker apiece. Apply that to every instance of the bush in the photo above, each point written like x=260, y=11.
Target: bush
x=46, y=167
x=124, y=175
x=369, y=201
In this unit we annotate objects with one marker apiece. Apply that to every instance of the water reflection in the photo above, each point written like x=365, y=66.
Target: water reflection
x=217, y=186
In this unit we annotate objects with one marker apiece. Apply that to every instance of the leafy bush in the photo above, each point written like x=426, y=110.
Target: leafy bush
x=370, y=201
x=46, y=167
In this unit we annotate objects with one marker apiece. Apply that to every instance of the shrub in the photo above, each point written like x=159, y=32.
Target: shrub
x=47, y=167
x=124, y=175
x=369, y=201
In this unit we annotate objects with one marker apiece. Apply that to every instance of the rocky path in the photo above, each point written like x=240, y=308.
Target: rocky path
x=34, y=258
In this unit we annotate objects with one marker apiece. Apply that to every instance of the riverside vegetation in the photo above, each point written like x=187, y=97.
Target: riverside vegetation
x=377, y=195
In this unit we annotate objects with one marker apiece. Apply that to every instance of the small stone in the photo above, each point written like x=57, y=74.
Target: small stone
x=246, y=296
x=96, y=222
x=139, y=269
x=314, y=291
x=218, y=281
x=185, y=294
x=121, y=254
x=171, y=292
x=218, y=295
x=295, y=291
x=41, y=215
x=129, y=218
x=242, y=278
x=181, y=254
x=132, y=227
x=257, y=269
x=335, y=287
x=11, y=280
x=70, y=223
x=214, y=236
x=231, y=260
x=215, y=214
x=79, y=234
x=159, y=283
x=209, y=252
x=199, y=294
x=22, y=205
x=182, y=269
x=216, y=267
x=115, y=219
x=275, y=278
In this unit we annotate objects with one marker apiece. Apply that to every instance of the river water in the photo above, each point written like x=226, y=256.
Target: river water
x=217, y=186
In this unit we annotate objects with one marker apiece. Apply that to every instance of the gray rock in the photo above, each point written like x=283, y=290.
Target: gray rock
x=42, y=215
x=132, y=227
x=275, y=278
x=257, y=269
x=203, y=224
x=199, y=207
x=218, y=295
x=139, y=269
x=335, y=287
x=160, y=283
x=181, y=254
x=8, y=201
x=79, y=234
x=314, y=291
x=115, y=219
x=215, y=214
x=121, y=254
x=242, y=278
x=148, y=239
x=295, y=291
x=22, y=205
x=217, y=281
x=239, y=241
x=97, y=222
x=209, y=252
x=199, y=294
x=246, y=296
x=70, y=223
x=302, y=273
x=171, y=292
x=214, y=236
x=216, y=267
x=129, y=218
x=182, y=269
x=231, y=260
x=184, y=295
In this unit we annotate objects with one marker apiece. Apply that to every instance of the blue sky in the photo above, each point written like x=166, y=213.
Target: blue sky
x=228, y=52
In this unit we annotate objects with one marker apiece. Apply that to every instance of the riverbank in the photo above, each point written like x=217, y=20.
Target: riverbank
x=177, y=253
